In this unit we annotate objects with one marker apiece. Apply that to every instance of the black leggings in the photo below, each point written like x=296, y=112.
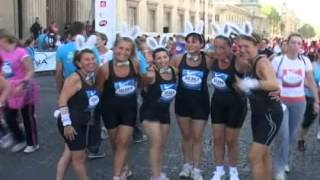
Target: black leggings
x=309, y=116
x=29, y=122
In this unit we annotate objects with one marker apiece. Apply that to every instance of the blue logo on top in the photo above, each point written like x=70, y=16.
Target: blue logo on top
x=168, y=92
x=192, y=79
x=125, y=87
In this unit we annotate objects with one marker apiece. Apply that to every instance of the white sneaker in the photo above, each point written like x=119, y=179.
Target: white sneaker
x=186, y=171
x=287, y=168
x=30, y=149
x=18, y=147
x=280, y=176
x=6, y=141
x=318, y=135
x=218, y=175
x=163, y=176
x=234, y=175
x=196, y=174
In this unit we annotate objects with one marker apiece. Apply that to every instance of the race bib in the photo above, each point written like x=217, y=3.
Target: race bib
x=93, y=99
x=192, y=79
x=7, y=69
x=219, y=81
x=125, y=88
x=292, y=78
x=168, y=92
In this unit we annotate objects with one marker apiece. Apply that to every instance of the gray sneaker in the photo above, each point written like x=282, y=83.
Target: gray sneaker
x=18, y=146
x=97, y=155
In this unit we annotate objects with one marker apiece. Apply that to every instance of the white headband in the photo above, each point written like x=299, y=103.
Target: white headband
x=154, y=44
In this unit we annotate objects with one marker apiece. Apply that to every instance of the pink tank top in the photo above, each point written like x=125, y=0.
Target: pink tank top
x=13, y=68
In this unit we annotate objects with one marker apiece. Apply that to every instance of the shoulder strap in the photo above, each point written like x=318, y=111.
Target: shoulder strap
x=277, y=72
x=183, y=61
x=204, y=60
x=301, y=58
x=133, y=67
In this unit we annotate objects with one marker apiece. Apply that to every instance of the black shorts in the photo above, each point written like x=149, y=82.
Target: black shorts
x=193, y=107
x=309, y=115
x=114, y=115
x=155, y=113
x=266, y=125
x=229, y=110
x=79, y=143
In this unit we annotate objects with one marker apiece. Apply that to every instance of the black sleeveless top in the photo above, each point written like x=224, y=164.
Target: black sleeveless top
x=260, y=100
x=83, y=102
x=193, y=80
x=120, y=90
x=221, y=78
x=162, y=92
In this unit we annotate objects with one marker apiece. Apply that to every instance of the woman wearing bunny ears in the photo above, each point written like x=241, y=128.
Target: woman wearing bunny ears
x=228, y=106
x=192, y=100
x=77, y=102
x=118, y=80
x=266, y=112
x=159, y=91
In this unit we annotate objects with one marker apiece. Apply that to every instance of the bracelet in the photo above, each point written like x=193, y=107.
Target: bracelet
x=65, y=116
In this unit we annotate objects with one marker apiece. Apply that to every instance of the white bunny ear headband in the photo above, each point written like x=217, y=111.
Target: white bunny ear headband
x=198, y=29
x=154, y=44
x=246, y=30
x=82, y=43
x=219, y=31
x=132, y=33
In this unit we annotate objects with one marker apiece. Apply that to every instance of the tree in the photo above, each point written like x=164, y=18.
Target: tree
x=307, y=31
x=273, y=17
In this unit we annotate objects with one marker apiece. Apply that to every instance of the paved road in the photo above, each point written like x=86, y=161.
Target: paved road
x=41, y=164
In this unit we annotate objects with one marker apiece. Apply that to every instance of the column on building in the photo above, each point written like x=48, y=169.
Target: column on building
x=57, y=12
x=30, y=10
x=168, y=18
x=82, y=10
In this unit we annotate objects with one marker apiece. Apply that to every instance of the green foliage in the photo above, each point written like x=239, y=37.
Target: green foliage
x=307, y=31
x=273, y=17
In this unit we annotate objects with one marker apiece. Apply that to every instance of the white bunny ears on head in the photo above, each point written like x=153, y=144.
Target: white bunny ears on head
x=224, y=31
x=129, y=33
x=154, y=44
x=246, y=30
x=198, y=29
x=82, y=43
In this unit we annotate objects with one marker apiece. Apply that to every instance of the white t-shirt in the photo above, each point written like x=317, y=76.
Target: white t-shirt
x=106, y=57
x=291, y=75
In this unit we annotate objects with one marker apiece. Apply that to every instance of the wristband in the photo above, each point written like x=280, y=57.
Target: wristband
x=65, y=116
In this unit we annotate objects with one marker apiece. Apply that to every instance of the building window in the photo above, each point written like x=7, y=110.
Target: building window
x=217, y=18
x=152, y=20
x=132, y=16
x=193, y=20
x=167, y=21
x=209, y=26
x=181, y=22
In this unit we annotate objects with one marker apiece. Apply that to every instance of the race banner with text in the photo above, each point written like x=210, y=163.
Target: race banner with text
x=105, y=19
x=44, y=61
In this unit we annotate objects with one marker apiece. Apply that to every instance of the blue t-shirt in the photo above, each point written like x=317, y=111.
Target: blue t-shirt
x=316, y=73
x=42, y=42
x=65, y=56
x=143, y=63
x=31, y=52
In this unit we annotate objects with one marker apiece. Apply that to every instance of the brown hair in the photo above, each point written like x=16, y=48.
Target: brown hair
x=78, y=55
x=254, y=38
x=294, y=35
x=11, y=39
x=102, y=36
